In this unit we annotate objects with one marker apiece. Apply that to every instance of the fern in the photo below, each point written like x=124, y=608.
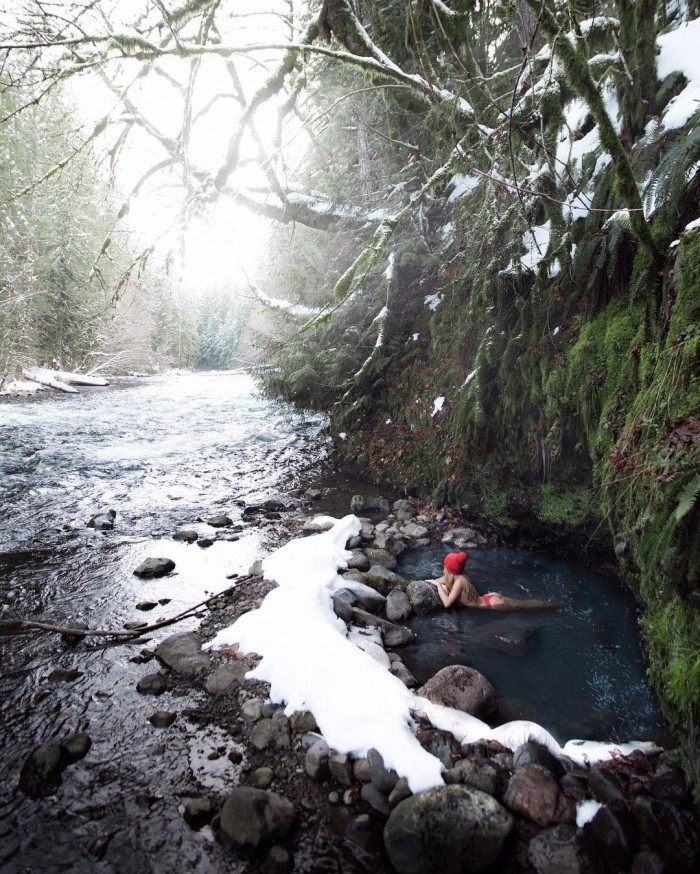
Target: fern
x=687, y=498
x=674, y=171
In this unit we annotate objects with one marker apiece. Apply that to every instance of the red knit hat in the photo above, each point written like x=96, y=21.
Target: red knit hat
x=454, y=562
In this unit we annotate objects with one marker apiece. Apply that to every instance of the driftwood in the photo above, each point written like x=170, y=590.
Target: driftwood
x=16, y=625
x=62, y=379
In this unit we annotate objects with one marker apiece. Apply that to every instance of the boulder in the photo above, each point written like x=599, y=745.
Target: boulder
x=225, y=678
x=404, y=510
x=423, y=597
x=534, y=794
x=399, y=669
x=358, y=561
x=162, y=718
x=538, y=754
x=316, y=761
x=198, y=812
x=368, y=597
x=670, y=830
x=463, y=689
x=382, y=777
x=183, y=654
x=186, y=535
x=251, y=817
x=220, y=521
x=398, y=606
x=450, y=829
x=42, y=771
x=414, y=531
x=103, y=521
x=155, y=567
x=459, y=536
x=151, y=684
x=558, y=850
x=381, y=557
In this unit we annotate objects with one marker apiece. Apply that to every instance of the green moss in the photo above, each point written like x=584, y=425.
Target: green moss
x=564, y=506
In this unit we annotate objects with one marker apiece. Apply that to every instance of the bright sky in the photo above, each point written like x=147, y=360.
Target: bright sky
x=311, y=664
x=220, y=237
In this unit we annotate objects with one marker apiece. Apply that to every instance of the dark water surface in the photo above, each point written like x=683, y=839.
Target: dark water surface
x=577, y=670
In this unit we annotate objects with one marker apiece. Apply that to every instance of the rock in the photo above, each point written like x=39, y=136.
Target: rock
x=509, y=636
x=262, y=777
x=538, y=754
x=42, y=770
x=302, y=721
x=383, y=778
x=364, y=504
x=415, y=532
x=382, y=579
x=205, y=542
x=225, y=678
x=647, y=862
x=448, y=829
x=478, y=775
x=557, y=850
x=76, y=746
x=404, y=510
x=155, y=567
x=277, y=861
x=316, y=526
x=316, y=761
x=605, y=786
x=388, y=542
x=399, y=669
x=533, y=793
x=669, y=830
x=369, y=598
x=198, y=813
x=396, y=635
x=220, y=521
x=146, y=605
x=271, y=732
x=183, y=654
x=252, y=709
x=162, y=718
x=459, y=536
x=185, y=535
x=151, y=684
x=441, y=744
x=340, y=767
x=360, y=770
x=65, y=675
x=668, y=783
x=342, y=607
x=381, y=557
x=102, y=521
x=251, y=817
x=358, y=561
x=423, y=597
x=611, y=835
x=313, y=494
x=74, y=639
x=132, y=626
x=398, y=606
x=376, y=800
x=463, y=689
x=400, y=792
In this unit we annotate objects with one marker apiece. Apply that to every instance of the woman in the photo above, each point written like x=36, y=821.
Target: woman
x=455, y=587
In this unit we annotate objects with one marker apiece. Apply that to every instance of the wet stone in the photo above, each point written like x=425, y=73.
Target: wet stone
x=340, y=767
x=70, y=639
x=262, y=778
x=146, y=605
x=65, y=675
x=398, y=606
x=251, y=817
x=277, y=861
x=316, y=761
x=198, y=813
x=605, y=786
x=448, y=829
x=612, y=834
x=557, y=851
x=533, y=793
x=220, y=521
x=42, y=770
x=252, y=709
x=76, y=746
x=383, y=778
x=155, y=567
x=463, y=688
x=162, y=718
x=183, y=654
x=669, y=830
x=186, y=536
x=538, y=754
x=225, y=678
x=205, y=542
x=400, y=792
x=302, y=721
x=151, y=684
x=376, y=799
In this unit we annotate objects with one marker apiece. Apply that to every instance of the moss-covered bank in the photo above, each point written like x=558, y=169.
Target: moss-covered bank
x=575, y=422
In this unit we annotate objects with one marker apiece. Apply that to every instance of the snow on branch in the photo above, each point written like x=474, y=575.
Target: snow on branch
x=294, y=309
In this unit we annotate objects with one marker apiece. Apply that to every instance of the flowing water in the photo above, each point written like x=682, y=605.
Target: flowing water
x=167, y=453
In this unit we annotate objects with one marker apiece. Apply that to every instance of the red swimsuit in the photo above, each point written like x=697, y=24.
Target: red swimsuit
x=487, y=599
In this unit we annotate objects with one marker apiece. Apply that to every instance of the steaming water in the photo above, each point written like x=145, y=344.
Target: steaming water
x=578, y=670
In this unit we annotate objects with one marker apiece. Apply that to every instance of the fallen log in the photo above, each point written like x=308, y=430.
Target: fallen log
x=62, y=379
x=15, y=626
x=48, y=378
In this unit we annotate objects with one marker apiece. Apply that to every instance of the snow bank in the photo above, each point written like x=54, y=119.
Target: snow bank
x=312, y=663
x=678, y=50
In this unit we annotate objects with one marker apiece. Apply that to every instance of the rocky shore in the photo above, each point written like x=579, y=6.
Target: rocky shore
x=294, y=804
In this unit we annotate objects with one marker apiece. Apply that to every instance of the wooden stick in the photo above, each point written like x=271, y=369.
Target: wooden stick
x=134, y=632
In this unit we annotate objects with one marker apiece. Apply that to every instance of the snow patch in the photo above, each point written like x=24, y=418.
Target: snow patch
x=433, y=301
x=438, y=404
x=678, y=50
x=461, y=184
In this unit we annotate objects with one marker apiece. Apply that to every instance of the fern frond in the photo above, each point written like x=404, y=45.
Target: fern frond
x=687, y=498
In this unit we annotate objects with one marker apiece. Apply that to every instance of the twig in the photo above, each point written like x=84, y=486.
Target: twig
x=134, y=632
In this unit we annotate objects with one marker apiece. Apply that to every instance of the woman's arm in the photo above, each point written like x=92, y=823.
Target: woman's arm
x=449, y=598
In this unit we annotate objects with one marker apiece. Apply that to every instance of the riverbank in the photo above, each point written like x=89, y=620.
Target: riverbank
x=266, y=795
